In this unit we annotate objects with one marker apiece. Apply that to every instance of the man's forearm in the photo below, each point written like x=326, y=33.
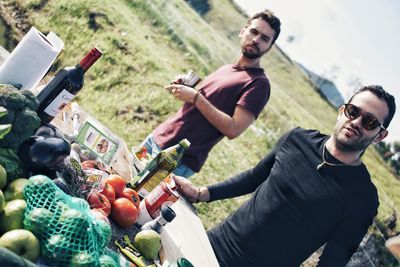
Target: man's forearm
x=226, y=124
x=230, y=126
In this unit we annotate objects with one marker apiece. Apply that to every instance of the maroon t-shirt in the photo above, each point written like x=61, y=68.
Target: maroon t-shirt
x=225, y=88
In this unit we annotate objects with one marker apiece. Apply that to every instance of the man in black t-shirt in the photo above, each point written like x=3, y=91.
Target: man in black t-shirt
x=311, y=190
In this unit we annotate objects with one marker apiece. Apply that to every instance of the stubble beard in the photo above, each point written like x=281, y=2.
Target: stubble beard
x=346, y=145
x=252, y=55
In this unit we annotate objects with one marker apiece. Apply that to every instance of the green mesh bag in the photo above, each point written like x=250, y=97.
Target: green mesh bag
x=69, y=235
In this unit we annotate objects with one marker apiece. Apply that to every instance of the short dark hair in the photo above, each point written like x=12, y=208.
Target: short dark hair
x=271, y=19
x=381, y=94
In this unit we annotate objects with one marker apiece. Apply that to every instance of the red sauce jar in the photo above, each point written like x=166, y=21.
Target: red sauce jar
x=163, y=194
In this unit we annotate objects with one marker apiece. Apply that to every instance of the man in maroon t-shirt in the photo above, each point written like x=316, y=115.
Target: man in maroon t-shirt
x=227, y=102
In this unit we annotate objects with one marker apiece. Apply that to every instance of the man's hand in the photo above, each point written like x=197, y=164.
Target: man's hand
x=182, y=92
x=190, y=191
x=179, y=79
x=230, y=126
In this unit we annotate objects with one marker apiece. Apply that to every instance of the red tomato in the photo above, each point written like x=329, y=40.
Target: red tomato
x=132, y=195
x=124, y=213
x=99, y=201
x=109, y=192
x=117, y=182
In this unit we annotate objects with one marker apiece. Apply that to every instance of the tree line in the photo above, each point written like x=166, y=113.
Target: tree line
x=390, y=152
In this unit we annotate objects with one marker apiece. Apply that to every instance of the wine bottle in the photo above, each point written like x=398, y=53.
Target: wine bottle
x=64, y=86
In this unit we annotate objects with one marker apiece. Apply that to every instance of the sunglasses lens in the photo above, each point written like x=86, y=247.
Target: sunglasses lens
x=351, y=111
x=370, y=123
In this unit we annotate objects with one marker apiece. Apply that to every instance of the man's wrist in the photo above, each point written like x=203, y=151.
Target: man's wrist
x=196, y=96
x=198, y=195
x=202, y=195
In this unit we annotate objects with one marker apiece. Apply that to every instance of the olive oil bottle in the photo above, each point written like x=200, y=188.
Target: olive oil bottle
x=159, y=168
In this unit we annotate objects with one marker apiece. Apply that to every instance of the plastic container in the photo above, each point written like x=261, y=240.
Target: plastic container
x=167, y=214
x=150, y=206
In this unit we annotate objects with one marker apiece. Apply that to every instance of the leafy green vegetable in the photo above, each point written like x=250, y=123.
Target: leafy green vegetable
x=4, y=128
x=3, y=111
x=11, y=163
x=19, y=111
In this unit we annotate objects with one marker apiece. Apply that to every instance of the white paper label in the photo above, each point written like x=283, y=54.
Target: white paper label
x=59, y=103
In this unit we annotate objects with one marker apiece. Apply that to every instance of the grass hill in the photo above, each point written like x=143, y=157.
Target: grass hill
x=146, y=43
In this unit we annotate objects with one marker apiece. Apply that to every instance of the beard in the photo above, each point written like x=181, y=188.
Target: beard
x=252, y=54
x=351, y=145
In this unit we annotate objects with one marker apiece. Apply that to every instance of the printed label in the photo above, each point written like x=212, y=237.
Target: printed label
x=155, y=179
x=97, y=142
x=59, y=103
x=155, y=195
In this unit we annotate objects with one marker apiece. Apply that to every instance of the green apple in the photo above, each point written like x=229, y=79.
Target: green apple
x=60, y=207
x=39, y=185
x=80, y=202
x=149, y=243
x=104, y=232
x=82, y=259
x=2, y=201
x=13, y=215
x=74, y=220
x=3, y=177
x=21, y=242
x=56, y=248
x=38, y=221
x=107, y=261
x=15, y=189
x=72, y=216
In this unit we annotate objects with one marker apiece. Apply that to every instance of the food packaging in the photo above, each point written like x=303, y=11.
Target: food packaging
x=89, y=133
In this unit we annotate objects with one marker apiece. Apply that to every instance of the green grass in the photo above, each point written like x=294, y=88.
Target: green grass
x=146, y=43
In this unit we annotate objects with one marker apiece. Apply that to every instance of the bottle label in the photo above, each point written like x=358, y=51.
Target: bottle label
x=102, y=145
x=158, y=193
x=152, y=182
x=159, y=196
x=157, y=170
x=59, y=103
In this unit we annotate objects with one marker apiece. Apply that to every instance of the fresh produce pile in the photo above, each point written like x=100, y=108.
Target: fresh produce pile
x=69, y=235
x=19, y=120
x=59, y=216
x=116, y=200
x=143, y=250
x=12, y=208
x=25, y=145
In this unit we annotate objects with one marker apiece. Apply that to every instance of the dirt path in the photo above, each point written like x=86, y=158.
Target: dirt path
x=16, y=21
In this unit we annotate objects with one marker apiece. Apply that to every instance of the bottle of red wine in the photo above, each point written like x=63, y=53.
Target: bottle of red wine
x=64, y=86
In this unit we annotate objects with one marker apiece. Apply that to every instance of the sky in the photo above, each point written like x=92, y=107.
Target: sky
x=348, y=41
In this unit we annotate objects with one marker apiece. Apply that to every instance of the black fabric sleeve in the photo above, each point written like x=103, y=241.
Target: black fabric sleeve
x=247, y=181
x=344, y=241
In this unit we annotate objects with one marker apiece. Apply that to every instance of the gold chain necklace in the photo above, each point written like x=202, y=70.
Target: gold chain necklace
x=319, y=166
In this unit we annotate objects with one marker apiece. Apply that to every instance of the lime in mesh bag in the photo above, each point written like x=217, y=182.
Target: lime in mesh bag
x=69, y=235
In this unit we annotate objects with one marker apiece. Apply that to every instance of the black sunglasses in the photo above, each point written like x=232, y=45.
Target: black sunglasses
x=369, y=122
